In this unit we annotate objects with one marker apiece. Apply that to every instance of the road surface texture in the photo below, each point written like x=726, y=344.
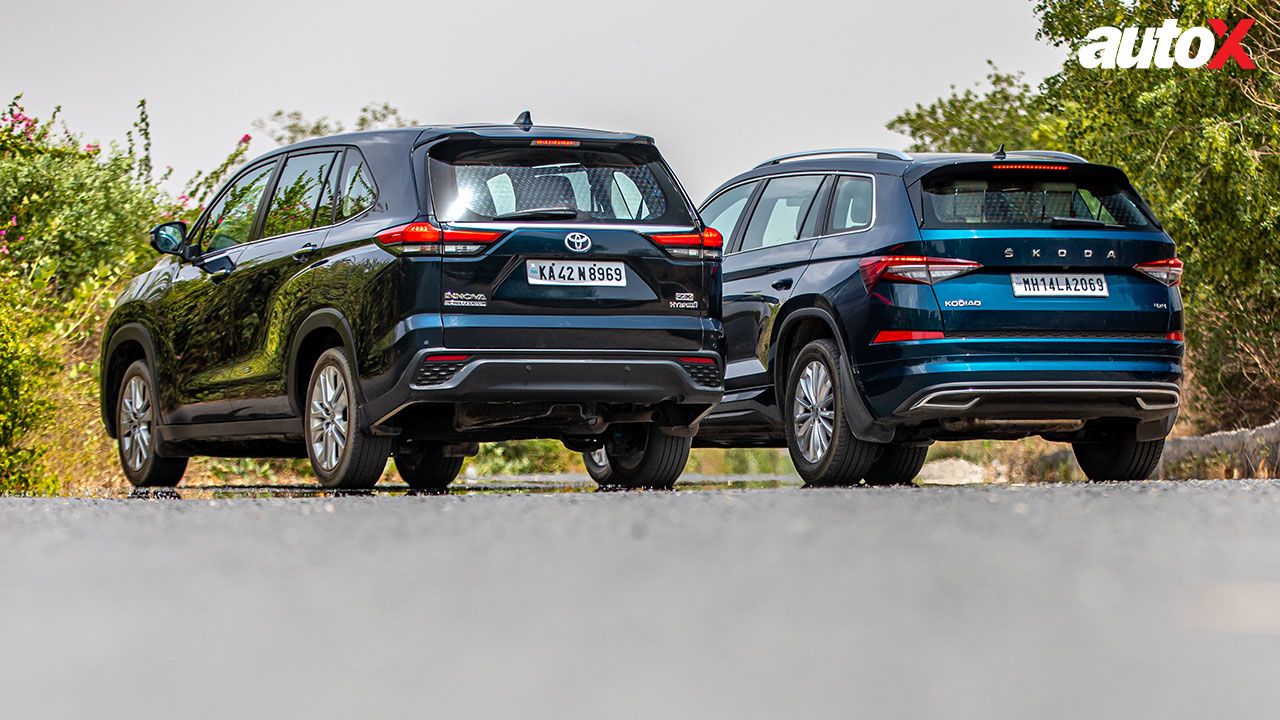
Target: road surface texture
x=1146, y=600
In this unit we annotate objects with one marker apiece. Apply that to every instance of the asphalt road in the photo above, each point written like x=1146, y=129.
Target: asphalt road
x=1149, y=600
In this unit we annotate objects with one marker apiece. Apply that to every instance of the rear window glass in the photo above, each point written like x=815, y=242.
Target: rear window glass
x=1001, y=198
x=473, y=182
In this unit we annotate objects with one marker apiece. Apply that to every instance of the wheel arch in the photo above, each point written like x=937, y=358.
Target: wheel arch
x=797, y=329
x=128, y=344
x=321, y=330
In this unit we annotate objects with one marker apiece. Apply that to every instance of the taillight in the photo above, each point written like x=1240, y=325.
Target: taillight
x=423, y=238
x=1175, y=336
x=706, y=244
x=914, y=269
x=1167, y=271
x=888, y=336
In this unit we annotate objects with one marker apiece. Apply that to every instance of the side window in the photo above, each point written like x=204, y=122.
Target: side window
x=782, y=209
x=724, y=212
x=851, y=210
x=298, y=193
x=230, y=220
x=357, y=186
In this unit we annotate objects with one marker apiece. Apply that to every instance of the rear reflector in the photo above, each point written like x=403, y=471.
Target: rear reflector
x=446, y=358
x=698, y=360
x=888, y=336
x=1029, y=166
x=706, y=244
x=1167, y=271
x=1175, y=336
x=913, y=269
x=424, y=238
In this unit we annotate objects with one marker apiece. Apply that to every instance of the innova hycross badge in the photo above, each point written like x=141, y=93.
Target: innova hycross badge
x=875, y=302
x=414, y=292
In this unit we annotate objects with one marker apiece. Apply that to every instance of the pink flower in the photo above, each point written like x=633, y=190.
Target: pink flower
x=247, y=137
x=22, y=238
x=3, y=233
x=13, y=221
x=91, y=148
x=183, y=200
x=4, y=249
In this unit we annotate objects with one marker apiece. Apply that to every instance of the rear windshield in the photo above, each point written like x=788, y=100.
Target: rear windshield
x=1019, y=198
x=477, y=182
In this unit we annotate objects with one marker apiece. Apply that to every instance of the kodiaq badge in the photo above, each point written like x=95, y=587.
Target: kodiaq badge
x=577, y=242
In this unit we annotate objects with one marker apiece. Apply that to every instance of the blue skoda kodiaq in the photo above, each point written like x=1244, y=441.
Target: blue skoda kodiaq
x=876, y=301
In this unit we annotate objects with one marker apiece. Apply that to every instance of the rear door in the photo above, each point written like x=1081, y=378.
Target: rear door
x=567, y=245
x=1058, y=246
x=767, y=259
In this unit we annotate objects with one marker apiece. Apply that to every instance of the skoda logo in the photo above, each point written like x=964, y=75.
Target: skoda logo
x=577, y=242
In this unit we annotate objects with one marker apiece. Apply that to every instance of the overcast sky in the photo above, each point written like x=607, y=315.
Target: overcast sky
x=720, y=85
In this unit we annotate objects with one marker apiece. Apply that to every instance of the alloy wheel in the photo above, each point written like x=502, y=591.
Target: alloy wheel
x=815, y=411
x=330, y=420
x=135, y=421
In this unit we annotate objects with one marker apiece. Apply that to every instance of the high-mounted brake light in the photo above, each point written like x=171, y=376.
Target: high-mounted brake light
x=553, y=142
x=888, y=336
x=913, y=269
x=1167, y=271
x=423, y=238
x=706, y=244
x=1029, y=166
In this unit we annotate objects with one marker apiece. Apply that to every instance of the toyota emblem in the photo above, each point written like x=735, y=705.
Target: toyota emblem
x=577, y=242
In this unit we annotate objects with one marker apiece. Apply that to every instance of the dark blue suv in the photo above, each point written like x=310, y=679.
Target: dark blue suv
x=876, y=301
x=415, y=292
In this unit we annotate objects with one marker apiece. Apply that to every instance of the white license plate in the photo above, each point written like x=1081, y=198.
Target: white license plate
x=576, y=272
x=1058, y=285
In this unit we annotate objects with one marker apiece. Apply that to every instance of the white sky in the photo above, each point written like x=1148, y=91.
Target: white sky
x=721, y=85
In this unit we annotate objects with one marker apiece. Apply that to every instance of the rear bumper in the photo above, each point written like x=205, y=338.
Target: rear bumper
x=512, y=376
x=1025, y=379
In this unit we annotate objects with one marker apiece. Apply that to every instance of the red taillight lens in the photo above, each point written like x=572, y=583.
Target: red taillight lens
x=1167, y=271
x=706, y=244
x=913, y=268
x=888, y=336
x=424, y=238
x=1176, y=336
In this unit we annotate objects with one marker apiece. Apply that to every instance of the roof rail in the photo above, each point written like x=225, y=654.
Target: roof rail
x=880, y=153
x=1048, y=154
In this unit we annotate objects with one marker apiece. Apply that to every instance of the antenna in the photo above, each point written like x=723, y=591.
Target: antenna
x=525, y=121
x=1000, y=154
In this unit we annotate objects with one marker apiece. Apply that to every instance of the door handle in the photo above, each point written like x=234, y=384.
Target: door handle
x=305, y=251
x=220, y=273
x=783, y=284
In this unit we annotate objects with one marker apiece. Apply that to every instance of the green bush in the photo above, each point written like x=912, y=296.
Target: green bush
x=25, y=367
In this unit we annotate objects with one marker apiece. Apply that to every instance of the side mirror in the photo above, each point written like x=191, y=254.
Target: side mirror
x=170, y=238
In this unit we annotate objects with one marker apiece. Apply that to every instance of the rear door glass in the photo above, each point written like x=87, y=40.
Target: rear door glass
x=781, y=211
x=298, y=193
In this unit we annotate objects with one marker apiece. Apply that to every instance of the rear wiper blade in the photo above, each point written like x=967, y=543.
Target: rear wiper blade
x=1079, y=221
x=548, y=213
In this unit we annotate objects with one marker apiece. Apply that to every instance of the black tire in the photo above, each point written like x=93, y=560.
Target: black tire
x=358, y=460
x=136, y=424
x=640, y=457
x=845, y=460
x=898, y=465
x=1119, y=458
x=427, y=468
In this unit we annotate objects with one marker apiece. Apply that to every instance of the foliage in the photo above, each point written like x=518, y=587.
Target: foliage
x=1010, y=113
x=290, y=127
x=25, y=367
x=1203, y=146
x=524, y=457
